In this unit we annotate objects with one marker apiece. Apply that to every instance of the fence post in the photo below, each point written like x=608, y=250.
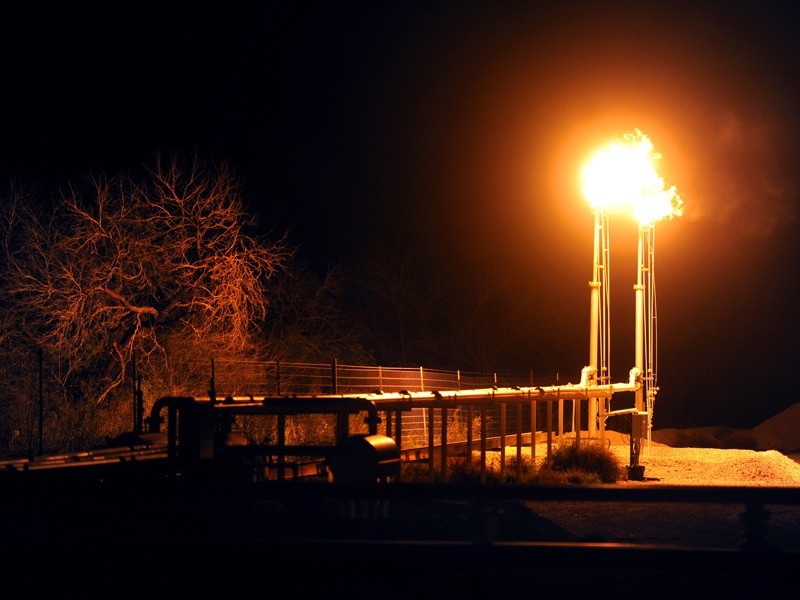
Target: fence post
x=469, y=434
x=533, y=429
x=212, y=391
x=444, y=443
x=334, y=377
x=398, y=429
x=519, y=441
x=139, y=404
x=138, y=399
x=133, y=379
x=41, y=402
x=431, y=460
x=281, y=447
x=503, y=407
x=483, y=444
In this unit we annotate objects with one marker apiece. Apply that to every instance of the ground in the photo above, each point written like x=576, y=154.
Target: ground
x=212, y=545
x=696, y=524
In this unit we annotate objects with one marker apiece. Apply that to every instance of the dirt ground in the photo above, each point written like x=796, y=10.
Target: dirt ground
x=697, y=525
x=220, y=552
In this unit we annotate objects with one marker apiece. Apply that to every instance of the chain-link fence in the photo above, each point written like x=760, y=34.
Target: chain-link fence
x=36, y=417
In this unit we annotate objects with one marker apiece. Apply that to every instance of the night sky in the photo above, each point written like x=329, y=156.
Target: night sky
x=457, y=130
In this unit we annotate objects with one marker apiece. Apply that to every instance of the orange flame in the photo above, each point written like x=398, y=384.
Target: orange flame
x=624, y=174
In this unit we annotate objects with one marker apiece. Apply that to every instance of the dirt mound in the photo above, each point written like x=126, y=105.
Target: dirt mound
x=707, y=437
x=711, y=455
x=781, y=432
x=716, y=466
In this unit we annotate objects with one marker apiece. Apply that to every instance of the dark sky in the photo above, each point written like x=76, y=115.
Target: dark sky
x=458, y=129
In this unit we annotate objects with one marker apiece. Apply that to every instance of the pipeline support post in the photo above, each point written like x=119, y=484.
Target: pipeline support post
x=638, y=426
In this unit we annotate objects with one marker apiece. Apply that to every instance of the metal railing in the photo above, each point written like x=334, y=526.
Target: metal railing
x=32, y=418
x=357, y=537
x=276, y=378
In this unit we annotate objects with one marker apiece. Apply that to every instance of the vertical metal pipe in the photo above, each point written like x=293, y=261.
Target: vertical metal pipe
x=594, y=320
x=561, y=418
x=636, y=437
x=639, y=293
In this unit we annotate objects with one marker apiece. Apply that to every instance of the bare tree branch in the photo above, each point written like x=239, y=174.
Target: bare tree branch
x=106, y=274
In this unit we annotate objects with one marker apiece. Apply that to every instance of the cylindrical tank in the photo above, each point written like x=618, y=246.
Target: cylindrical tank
x=365, y=458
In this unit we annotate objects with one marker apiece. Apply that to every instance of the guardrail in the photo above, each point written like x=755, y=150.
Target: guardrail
x=490, y=561
x=393, y=540
x=487, y=499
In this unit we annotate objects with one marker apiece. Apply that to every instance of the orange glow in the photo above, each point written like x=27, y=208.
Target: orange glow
x=624, y=174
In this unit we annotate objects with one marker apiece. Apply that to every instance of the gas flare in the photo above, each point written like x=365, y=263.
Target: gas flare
x=624, y=174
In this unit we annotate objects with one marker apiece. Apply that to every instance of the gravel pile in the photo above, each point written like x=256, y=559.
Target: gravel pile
x=766, y=455
x=781, y=432
x=714, y=466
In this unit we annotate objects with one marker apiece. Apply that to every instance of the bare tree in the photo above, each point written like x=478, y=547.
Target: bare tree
x=480, y=319
x=310, y=320
x=100, y=276
x=399, y=307
x=511, y=325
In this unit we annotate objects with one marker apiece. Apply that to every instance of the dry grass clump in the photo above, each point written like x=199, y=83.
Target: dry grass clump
x=577, y=463
x=570, y=463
